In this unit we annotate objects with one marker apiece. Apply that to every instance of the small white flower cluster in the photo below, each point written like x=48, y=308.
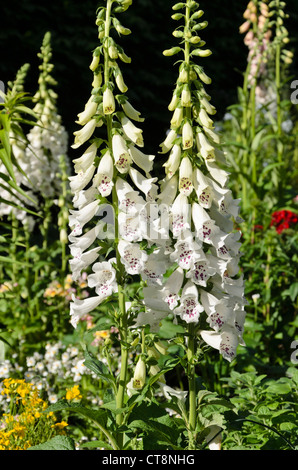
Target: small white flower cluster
x=58, y=367
x=18, y=146
x=47, y=144
x=48, y=139
x=40, y=156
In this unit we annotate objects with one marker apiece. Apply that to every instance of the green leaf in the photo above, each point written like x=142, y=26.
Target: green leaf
x=57, y=443
x=160, y=429
x=96, y=444
x=98, y=367
x=98, y=416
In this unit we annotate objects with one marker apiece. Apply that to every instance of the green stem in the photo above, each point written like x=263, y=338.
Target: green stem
x=123, y=317
x=191, y=328
x=191, y=386
x=13, y=249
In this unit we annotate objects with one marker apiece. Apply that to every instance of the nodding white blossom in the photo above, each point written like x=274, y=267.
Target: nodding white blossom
x=79, y=308
x=186, y=177
x=121, y=154
x=132, y=132
x=108, y=102
x=84, y=134
x=104, y=176
x=132, y=257
x=173, y=163
x=88, y=113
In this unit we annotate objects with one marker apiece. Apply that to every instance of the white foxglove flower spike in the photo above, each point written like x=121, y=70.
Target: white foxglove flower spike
x=203, y=212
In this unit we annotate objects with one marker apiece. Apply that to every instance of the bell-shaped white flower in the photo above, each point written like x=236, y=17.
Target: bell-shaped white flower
x=84, y=197
x=218, y=174
x=219, y=312
x=82, y=260
x=88, y=113
x=131, y=112
x=154, y=268
x=132, y=132
x=144, y=184
x=105, y=173
x=228, y=245
x=169, y=141
x=177, y=118
x=84, y=241
x=201, y=272
x=173, y=162
x=187, y=252
x=77, y=219
x=187, y=136
x=129, y=201
x=205, y=119
x=145, y=162
x=132, y=257
x=186, y=100
x=180, y=215
x=203, y=188
x=139, y=377
x=103, y=279
x=206, y=229
x=85, y=161
x=84, y=134
x=227, y=205
x=121, y=154
x=168, y=192
x=225, y=341
x=166, y=298
x=108, y=102
x=172, y=287
x=205, y=148
x=82, y=179
x=79, y=308
x=129, y=227
x=190, y=307
x=186, y=177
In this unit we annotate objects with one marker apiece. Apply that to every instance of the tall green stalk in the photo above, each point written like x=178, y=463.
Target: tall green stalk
x=192, y=418
x=121, y=293
x=191, y=338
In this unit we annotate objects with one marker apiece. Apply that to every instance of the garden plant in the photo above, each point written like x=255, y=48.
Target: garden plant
x=149, y=301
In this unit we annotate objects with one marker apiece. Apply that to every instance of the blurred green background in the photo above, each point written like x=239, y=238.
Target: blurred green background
x=151, y=76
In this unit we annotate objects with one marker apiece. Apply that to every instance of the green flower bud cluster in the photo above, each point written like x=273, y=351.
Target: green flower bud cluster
x=190, y=102
x=46, y=96
x=17, y=86
x=278, y=17
x=107, y=74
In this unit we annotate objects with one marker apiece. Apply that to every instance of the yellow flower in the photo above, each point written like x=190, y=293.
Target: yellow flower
x=73, y=393
x=102, y=334
x=61, y=425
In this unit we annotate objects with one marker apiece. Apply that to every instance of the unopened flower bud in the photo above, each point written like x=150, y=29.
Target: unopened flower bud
x=95, y=62
x=63, y=236
x=186, y=97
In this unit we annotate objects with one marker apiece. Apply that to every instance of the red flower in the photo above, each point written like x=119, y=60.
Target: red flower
x=283, y=220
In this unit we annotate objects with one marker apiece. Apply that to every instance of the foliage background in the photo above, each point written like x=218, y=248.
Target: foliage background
x=149, y=76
